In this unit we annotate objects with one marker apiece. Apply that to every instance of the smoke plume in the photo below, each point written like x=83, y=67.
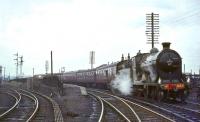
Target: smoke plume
x=122, y=82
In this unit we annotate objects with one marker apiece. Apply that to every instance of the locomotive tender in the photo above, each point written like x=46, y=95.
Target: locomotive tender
x=157, y=74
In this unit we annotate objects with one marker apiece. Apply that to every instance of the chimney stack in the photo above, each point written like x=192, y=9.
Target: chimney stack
x=122, y=59
x=129, y=56
x=166, y=45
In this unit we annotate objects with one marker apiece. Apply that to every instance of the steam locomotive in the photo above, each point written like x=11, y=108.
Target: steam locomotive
x=157, y=74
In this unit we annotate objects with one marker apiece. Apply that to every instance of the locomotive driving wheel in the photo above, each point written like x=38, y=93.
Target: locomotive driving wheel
x=160, y=95
x=145, y=93
x=182, y=95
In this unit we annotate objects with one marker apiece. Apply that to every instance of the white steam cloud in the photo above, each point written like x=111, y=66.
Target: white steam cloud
x=122, y=82
x=149, y=66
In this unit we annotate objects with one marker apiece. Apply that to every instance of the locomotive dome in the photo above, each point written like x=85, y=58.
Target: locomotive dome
x=154, y=50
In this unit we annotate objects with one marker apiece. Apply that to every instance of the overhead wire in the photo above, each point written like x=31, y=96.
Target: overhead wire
x=189, y=17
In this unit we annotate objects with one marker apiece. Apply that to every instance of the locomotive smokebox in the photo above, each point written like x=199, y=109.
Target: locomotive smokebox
x=166, y=45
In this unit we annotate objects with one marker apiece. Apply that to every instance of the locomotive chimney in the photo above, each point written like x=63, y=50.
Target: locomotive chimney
x=129, y=56
x=122, y=57
x=166, y=45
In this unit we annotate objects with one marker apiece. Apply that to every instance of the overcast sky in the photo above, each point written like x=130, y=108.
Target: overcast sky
x=72, y=28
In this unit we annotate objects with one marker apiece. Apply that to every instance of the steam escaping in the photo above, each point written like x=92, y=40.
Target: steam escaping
x=149, y=66
x=152, y=72
x=122, y=82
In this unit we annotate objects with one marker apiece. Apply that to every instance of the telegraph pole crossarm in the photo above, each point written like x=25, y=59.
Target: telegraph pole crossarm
x=152, y=28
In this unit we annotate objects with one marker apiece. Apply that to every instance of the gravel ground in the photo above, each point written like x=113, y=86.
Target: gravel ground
x=75, y=107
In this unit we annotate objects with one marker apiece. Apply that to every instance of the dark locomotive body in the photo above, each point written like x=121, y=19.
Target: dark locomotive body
x=173, y=83
x=157, y=74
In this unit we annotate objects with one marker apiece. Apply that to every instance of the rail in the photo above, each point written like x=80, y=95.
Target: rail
x=35, y=99
x=128, y=101
x=14, y=106
x=133, y=111
x=165, y=110
x=102, y=106
x=149, y=110
x=118, y=111
x=57, y=112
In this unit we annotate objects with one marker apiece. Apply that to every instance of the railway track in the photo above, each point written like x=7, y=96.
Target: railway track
x=135, y=112
x=30, y=106
x=175, y=112
x=8, y=108
x=99, y=111
x=25, y=110
x=193, y=103
x=190, y=113
x=113, y=108
x=49, y=110
x=36, y=103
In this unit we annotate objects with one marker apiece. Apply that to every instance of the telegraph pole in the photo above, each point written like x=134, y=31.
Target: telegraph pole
x=62, y=71
x=51, y=64
x=9, y=77
x=17, y=64
x=32, y=79
x=21, y=63
x=152, y=28
x=4, y=74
